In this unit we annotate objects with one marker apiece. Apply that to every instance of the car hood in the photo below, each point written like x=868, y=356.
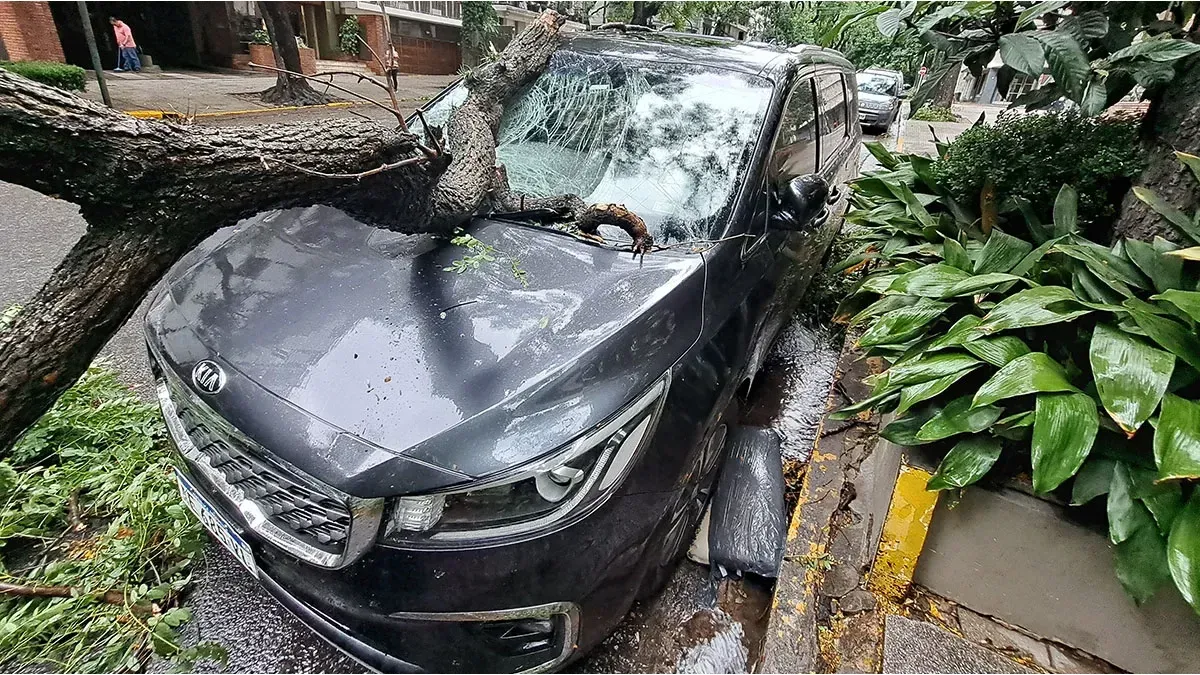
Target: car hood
x=874, y=98
x=367, y=332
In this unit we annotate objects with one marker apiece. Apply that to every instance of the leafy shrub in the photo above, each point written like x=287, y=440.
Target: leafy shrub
x=61, y=75
x=1031, y=156
x=89, y=492
x=260, y=37
x=348, y=36
x=1078, y=362
x=935, y=114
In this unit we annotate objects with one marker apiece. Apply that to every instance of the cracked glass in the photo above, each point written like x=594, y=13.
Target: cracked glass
x=670, y=141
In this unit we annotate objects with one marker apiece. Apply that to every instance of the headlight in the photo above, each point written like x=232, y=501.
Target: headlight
x=535, y=498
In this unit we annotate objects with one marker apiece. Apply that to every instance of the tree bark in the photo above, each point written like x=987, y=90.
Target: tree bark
x=150, y=191
x=1172, y=123
x=643, y=12
x=288, y=89
x=943, y=96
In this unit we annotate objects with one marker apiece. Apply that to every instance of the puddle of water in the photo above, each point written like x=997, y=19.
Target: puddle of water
x=721, y=648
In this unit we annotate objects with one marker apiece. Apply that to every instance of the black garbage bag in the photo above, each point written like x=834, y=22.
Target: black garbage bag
x=748, y=524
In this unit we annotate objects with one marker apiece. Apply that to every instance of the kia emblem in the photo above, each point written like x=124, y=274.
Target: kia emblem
x=208, y=377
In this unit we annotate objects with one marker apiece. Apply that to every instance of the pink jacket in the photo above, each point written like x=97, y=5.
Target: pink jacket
x=124, y=35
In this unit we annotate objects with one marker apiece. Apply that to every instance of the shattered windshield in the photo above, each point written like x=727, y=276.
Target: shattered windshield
x=670, y=141
x=877, y=84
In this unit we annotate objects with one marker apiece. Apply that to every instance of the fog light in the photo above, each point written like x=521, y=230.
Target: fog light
x=416, y=514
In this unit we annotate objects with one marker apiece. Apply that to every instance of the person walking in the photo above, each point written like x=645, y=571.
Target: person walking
x=127, y=58
x=393, y=66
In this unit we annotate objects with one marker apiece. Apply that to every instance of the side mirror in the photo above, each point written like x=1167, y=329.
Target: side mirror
x=800, y=202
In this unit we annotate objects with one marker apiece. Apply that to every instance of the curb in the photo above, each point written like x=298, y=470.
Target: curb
x=172, y=115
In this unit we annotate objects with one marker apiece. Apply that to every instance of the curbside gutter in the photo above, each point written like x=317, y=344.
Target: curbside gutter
x=173, y=115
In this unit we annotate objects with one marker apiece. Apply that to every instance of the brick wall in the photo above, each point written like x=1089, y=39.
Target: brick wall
x=373, y=34
x=29, y=33
x=419, y=56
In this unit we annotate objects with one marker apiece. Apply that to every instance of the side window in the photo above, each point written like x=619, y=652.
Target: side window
x=795, y=150
x=831, y=98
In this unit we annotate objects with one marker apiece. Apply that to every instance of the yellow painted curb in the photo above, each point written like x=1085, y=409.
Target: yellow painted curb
x=903, y=537
x=166, y=114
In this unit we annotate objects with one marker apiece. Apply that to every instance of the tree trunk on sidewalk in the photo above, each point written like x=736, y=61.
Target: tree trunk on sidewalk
x=150, y=191
x=943, y=96
x=643, y=12
x=288, y=89
x=1173, y=123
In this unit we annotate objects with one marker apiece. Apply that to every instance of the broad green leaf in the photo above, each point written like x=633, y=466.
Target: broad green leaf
x=983, y=283
x=1066, y=211
x=883, y=305
x=1177, y=439
x=889, y=22
x=1022, y=268
x=1026, y=17
x=1032, y=307
x=902, y=324
x=929, y=368
x=1088, y=25
x=966, y=463
x=1131, y=376
x=1064, y=428
x=1001, y=252
x=1192, y=253
x=1162, y=207
x=1150, y=73
x=1158, y=48
x=958, y=333
x=1095, y=98
x=931, y=281
x=886, y=159
x=1031, y=373
x=1125, y=513
x=1169, y=334
x=1068, y=64
x=959, y=417
x=1105, y=264
x=1014, y=427
x=1183, y=552
x=878, y=283
x=1164, y=499
x=1022, y=53
x=1141, y=563
x=1165, y=272
x=916, y=208
x=903, y=430
x=917, y=393
x=956, y=255
x=1092, y=480
x=1190, y=161
x=1188, y=301
x=999, y=350
x=869, y=403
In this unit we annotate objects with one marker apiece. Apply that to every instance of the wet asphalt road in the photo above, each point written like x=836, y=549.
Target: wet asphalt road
x=261, y=636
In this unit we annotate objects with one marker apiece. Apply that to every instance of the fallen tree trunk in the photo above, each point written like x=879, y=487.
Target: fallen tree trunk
x=150, y=191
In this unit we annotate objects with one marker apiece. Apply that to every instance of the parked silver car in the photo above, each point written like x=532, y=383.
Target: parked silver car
x=879, y=96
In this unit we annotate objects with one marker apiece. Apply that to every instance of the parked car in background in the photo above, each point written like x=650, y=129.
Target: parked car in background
x=879, y=98
x=481, y=471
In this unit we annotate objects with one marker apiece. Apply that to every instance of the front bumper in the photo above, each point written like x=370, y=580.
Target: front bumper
x=874, y=118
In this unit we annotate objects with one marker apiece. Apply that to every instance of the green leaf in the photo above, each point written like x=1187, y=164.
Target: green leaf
x=1026, y=17
x=917, y=393
x=931, y=281
x=956, y=255
x=966, y=463
x=888, y=23
x=1141, y=563
x=1169, y=334
x=903, y=430
x=1188, y=301
x=1066, y=211
x=885, y=157
x=883, y=305
x=1001, y=252
x=1064, y=428
x=1068, y=64
x=1022, y=268
x=1190, y=161
x=1182, y=223
x=1022, y=53
x=1159, y=48
x=1095, y=98
x=1183, y=552
x=1177, y=439
x=1032, y=307
x=1031, y=373
x=983, y=283
x=1105, y=264
x=1165, y=272
x=1192, y=253
x=960, y=332
x=868, y=403
x=1163, y=499
x=1126, y=515
x=1131, y=376
x=1092, y=480
x=902, y=324
x=959, y=417
x=998, y=351
x=929, y=368
x=1088, y=25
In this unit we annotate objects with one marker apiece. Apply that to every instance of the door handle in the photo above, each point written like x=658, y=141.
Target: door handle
x=822, y=218
x=834, y=194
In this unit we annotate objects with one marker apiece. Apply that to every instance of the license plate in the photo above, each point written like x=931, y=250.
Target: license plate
x=215, y=523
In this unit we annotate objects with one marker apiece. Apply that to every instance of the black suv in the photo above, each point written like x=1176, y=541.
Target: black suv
x=474, y=455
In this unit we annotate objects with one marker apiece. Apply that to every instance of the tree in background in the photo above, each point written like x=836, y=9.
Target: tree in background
x=479, y=25
x=289, y=89
x=793, y=23
x=1096, y=52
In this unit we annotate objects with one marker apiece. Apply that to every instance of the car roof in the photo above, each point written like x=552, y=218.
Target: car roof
x=757, y=58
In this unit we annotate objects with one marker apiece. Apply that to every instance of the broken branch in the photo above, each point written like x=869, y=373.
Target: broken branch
x=18, y=590
x=361, y=174
x=399, y=115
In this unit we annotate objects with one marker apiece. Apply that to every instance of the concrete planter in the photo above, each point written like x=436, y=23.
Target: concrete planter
x=265, y=55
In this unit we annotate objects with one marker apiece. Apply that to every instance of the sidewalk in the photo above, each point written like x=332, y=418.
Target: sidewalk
x=917, y=136
x=194, y=92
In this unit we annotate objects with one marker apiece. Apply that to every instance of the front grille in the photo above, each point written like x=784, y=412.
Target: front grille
x=285, y=499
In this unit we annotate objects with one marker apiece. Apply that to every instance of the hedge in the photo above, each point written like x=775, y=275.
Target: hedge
x=61, y=75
